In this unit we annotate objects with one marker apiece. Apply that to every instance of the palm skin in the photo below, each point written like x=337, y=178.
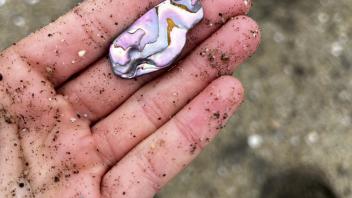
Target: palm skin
x=95, y=135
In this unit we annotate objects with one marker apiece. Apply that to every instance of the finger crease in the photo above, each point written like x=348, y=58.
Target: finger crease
x=187, y=131
x=153, y=110
x=150, y=172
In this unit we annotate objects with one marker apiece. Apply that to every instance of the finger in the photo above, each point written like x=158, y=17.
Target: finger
x=158, y=101
x=97, y=91
x=164, y=154
x=80, y=37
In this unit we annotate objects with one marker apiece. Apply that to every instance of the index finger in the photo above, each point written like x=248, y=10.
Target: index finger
x=80, y=37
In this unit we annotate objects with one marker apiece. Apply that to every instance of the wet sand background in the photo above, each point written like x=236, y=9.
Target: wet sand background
x=299, y=93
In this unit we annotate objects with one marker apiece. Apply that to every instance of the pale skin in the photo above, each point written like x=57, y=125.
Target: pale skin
x=92, y=134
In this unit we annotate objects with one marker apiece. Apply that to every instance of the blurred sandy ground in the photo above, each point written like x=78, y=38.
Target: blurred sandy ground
x=299, y=97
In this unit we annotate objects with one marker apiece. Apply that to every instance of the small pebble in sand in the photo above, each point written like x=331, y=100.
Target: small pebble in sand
x=32, y=2
x=2, y=2
x=255, y=141
x=312, y=137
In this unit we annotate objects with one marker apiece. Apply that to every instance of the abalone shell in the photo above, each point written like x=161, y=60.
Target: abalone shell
x=156, y=39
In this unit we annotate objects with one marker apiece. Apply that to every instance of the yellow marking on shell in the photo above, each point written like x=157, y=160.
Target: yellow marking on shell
x=170, y=26
x=181, y=6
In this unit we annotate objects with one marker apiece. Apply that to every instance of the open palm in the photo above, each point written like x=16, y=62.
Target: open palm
x=70, y=128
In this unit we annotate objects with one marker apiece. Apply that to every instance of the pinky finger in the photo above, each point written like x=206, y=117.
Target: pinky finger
x=159, y=158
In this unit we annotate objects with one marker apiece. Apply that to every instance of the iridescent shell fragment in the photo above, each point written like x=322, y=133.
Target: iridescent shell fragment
x=155, y=40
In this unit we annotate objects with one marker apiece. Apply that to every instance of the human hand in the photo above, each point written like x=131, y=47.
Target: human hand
x=67, y=133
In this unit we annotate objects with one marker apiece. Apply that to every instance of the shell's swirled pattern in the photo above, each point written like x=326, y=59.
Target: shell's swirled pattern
x=156, y=39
